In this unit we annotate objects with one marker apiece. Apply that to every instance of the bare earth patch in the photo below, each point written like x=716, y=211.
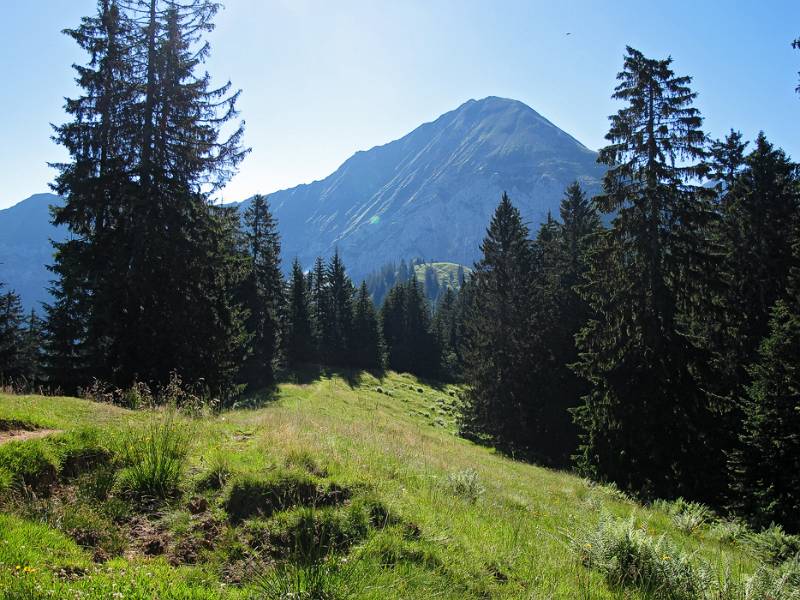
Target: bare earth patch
x=18, y=435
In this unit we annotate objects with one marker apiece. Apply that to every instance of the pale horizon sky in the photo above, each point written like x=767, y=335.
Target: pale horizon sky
x=321, y=80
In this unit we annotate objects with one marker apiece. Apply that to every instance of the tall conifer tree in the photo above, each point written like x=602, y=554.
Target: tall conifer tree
x=263, y=291
x=151, y=266
x=12, y=336
x=411, y=343
x=299, y=334
x=367, y=344
x=319, y=306
x=645, y=421
x=498, y=331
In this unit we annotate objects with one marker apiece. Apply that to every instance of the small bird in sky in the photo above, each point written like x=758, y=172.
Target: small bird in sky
x=569, y=33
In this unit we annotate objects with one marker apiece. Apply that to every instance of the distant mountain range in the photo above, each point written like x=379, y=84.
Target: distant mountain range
x=429, y=194
x=25, y=248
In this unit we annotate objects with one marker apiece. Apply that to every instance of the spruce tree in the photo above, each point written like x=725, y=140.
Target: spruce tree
x=767, y=467
x=66, y=358
x=337, y=327
x=499, y=332
x=560, y=263
x=299, y=335
x=32, y=349
x=726, y=159
x=12, y=337
x=367, y=345
x=796, y=46
x=423, y=350
x=757, y=200
x=393, y=321
x=262, y=292
x=319, y=306
x=411, y=343
x=97, y=184
x=766, y=464
x=151, y=265
x=758, y=210
x=646, y=424
x=432, y=287
x=445, y=327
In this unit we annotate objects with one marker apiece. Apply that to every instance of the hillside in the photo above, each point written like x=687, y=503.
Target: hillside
x=368, y=469
x=446, y=273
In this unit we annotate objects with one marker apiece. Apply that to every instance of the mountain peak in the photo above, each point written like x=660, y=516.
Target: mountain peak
x=430, y=193
x=426, y=195
x=491, y=104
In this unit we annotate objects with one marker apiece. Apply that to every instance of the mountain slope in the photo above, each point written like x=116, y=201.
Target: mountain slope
x=431, y=193
x=448, y=519
x=427, y=195
x=25, y=248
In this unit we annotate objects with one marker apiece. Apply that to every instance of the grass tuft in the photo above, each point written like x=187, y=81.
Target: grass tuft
x=466, y=484
x=155, y=456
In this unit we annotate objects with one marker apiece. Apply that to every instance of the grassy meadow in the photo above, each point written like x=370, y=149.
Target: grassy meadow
x=337, y=487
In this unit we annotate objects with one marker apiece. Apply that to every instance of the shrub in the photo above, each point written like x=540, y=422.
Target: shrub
x=729, y=531
x=611, y=491
x=155, y=456
x=31, y=464
x=466, y=484
x=628, y=557
x=690, y=516
x=193, y=400
x=137, y=396
x=250, y=495
x=774, y=545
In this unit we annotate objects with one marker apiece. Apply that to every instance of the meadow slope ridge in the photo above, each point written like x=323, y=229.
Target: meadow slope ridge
x=394, y=497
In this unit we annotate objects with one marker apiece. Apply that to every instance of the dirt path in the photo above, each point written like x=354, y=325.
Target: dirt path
x=23, y=434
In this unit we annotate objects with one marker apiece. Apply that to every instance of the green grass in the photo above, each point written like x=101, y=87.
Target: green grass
x=353, y=489
x=446, y=272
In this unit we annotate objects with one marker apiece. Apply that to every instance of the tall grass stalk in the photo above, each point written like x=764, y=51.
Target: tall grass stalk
x=156, y=455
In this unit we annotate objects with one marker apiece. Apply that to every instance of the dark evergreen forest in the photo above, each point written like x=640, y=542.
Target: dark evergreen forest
x=660, y=352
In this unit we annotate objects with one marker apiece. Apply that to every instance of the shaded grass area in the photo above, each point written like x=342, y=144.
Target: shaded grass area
x=337, y=487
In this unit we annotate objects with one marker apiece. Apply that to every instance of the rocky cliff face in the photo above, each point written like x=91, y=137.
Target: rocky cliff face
x=431, y=193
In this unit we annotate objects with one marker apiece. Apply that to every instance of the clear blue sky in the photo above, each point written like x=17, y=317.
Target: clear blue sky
x=323, y=79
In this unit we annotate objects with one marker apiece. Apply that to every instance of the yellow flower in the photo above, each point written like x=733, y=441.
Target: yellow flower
x=665, y=557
